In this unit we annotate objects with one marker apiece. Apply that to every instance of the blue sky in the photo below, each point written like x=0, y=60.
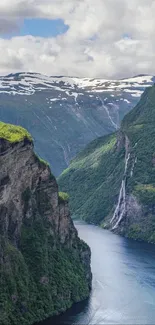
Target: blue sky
x=106, y=38
x=41, y=27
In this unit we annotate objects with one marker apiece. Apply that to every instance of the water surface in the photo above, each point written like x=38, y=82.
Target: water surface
x=123, y=282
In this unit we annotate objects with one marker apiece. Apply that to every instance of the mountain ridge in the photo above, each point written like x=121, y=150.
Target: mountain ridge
x=64, y=114
x=24, y=79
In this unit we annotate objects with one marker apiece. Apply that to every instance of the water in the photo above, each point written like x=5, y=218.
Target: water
x=123, y=282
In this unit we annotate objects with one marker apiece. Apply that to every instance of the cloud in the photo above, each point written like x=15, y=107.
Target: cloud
x=94, y=45
x=7, y=26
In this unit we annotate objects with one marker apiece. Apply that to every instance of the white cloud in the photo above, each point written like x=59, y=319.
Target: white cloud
x=94, y=45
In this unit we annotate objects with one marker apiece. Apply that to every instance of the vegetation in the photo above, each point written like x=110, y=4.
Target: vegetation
x=146, y=193
x=39, y=276
x=61, y=130
x=42, y=278
x=93, y=179
x=91, y=176
x=13, y=133
x=63, y=197
x=135, y=232
x=43, y=162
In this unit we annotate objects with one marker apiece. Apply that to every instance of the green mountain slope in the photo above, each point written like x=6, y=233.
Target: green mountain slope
x=112, y=182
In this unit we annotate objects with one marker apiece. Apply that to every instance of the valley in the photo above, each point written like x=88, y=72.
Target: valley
x=77, y=162
x=64, y=114
x=112, y=181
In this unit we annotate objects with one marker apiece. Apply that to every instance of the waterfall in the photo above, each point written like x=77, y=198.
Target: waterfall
x=121, y=205
x=108, y=113
x=133, y=166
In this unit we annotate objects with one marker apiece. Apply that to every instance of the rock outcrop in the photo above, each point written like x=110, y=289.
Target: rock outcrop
x=44, y=266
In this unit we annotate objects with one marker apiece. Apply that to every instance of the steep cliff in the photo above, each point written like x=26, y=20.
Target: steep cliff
x=44, y=266
x=114, y=177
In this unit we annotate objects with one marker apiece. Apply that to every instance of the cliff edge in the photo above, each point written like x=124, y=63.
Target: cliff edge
x=44, y=266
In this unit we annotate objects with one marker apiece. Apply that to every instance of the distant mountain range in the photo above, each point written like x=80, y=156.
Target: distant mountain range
x=65, y=113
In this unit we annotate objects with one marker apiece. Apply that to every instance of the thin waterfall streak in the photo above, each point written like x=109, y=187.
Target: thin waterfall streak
x=123, y=209
x=108, y=113
x=133, y=166
x=118, y=204
x=121, y=205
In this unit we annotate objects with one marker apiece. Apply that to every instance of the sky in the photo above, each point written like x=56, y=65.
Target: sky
x=84, y=38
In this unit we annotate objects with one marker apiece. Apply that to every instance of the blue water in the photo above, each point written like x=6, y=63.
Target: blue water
x=123, y=282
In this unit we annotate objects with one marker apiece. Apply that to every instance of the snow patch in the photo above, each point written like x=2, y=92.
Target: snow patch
x=29, y=83
x=127, y=101
x=54, y=99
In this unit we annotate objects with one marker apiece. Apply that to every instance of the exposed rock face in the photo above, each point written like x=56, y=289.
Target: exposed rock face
x=135, y=213
x=128, y=210
x=131, y=217
x=44, y=266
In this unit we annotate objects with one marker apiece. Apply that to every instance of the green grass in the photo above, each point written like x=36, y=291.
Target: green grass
x=13, y=133
x=44, y=162
x=63, y=197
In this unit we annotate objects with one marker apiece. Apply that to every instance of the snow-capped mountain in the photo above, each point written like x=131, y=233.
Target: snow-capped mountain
x=65, y=113
x=30, y=83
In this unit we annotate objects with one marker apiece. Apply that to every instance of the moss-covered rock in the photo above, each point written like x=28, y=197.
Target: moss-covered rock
x=63, y=197
x=14, y=133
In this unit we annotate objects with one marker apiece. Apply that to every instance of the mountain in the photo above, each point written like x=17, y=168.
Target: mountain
x=112, y=181
x=64, y=114
x=44, y=266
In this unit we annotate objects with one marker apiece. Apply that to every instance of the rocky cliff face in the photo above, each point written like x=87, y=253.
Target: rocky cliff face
x=44, y=266
x=118, y=173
